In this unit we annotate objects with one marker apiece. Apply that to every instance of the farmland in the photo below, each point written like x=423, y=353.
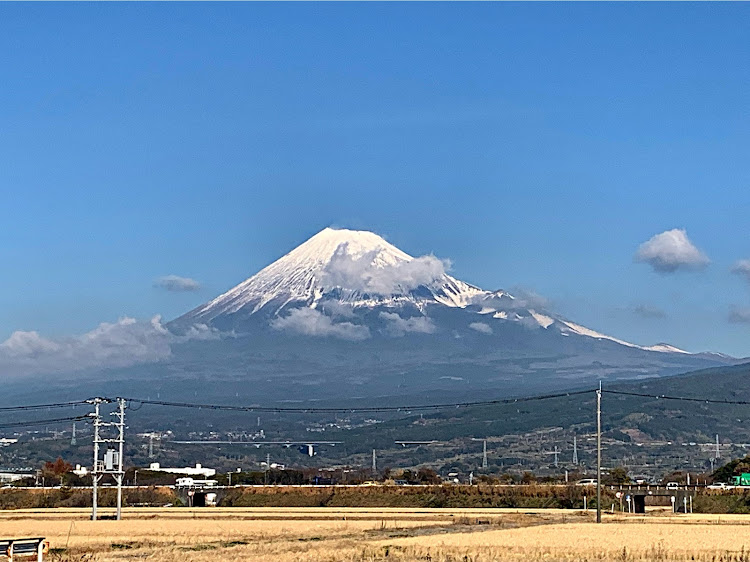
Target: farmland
x=373, y=534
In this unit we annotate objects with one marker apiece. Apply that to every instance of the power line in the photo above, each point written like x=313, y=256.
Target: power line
x=41, y=422
x=312, y=410
x=679, y=398
x=42, y=406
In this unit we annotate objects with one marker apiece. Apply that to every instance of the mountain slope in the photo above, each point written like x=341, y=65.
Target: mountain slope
x=341, y=272
x=347, y=314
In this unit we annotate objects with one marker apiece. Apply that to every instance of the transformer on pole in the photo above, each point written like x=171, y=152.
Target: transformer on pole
x=112, y=462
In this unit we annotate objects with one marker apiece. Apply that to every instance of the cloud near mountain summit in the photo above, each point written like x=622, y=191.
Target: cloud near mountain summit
x=365, y=274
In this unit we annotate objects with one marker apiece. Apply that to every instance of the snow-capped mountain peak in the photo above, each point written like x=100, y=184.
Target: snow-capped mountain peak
x=356, y=267
x=360, y=270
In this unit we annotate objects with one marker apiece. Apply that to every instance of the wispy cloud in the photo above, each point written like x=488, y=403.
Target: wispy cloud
x=177, y=284
x=481, y=327
x=518, y=298
x=368, y=275
x=118, y=344
x=649, y=312
x=742, y=267
x=311, y=322
x=671, y=251
x=398, y=326
x=739, y=315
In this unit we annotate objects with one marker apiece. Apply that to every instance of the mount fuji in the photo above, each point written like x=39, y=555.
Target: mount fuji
x=347, y=314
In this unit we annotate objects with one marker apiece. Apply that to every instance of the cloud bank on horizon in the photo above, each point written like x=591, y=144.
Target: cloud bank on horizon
x=118, y=344
x=671, y=251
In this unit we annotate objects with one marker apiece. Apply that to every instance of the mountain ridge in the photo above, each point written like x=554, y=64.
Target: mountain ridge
x=356, y=269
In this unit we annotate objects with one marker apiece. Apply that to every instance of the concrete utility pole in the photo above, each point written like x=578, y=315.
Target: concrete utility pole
x=484, y=454
x=575, y=450
x=73, y=441
x=113, y=461
x=374, y=464
x=718, y=453
x=599, y=453
x=120, y=425
x=95, y=476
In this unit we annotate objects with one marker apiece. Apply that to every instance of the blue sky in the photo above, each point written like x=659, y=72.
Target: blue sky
x=534, y=145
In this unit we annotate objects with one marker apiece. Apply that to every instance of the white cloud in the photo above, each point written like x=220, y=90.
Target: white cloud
x=336, y=309
x=739, y=315
x=311, y=322
x=481, y=327
x=177, y=284
x=742, y=267
x=368, y=274
x=649, y=312
x=397, y=326
x=119, y=344
x=671, y=250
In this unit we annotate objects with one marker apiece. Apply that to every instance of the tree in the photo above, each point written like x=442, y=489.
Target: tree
x=427, y=476
x=732, y=468
x=53, y=470
x=618, y=475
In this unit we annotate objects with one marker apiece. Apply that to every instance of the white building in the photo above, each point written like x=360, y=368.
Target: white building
x=7, y=477
x=198, y=470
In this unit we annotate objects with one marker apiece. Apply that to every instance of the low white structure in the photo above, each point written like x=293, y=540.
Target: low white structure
x=80, y=471
x=198, y=470
x=7, y=477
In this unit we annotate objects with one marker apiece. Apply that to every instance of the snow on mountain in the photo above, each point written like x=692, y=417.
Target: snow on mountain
x=359, y=270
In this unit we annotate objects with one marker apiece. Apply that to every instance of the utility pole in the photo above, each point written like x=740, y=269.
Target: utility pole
x=151, y=445
x=556, y=452
x=484, y=454
x=718, y=452
x=599, y=453
x=575, y=450
x=73, y=441
x=95, y=473
x=113, y=461
x=374, y=464
x=120, y=474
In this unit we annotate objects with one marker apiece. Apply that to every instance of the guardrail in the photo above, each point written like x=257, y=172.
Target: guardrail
x=37, y=546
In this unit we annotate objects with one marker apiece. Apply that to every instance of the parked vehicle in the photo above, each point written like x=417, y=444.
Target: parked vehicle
x=586, y=482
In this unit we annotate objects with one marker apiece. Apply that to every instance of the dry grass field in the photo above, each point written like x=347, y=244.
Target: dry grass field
x=381, y=534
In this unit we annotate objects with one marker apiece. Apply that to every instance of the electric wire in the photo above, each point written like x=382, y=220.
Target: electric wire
x=353, y=409
x=41, y=422
x=679, y=398
x=42, y=406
